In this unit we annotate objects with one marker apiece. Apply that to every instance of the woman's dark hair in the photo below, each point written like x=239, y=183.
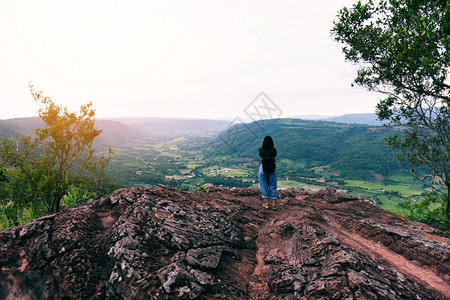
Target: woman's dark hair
x=267, y=142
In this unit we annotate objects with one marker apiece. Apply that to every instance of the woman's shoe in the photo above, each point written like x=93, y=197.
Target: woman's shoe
x=265, y=205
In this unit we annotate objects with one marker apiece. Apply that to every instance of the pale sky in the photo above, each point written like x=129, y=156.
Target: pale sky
x=196, y=59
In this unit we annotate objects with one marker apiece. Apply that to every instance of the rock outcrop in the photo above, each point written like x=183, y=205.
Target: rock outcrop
x=160, y=243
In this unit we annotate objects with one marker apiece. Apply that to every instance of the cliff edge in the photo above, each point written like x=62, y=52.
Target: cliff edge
x=161, y=243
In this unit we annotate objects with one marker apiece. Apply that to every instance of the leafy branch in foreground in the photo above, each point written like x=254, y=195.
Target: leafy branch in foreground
x=401, y=48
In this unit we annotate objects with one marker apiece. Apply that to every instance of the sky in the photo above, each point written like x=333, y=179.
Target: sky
x=185, y=59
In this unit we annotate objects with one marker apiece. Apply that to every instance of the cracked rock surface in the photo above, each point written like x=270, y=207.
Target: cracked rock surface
x=160, y=243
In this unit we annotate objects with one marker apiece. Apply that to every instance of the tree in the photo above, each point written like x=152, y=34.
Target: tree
x=19, y=185
x=67, y=136
x=39, y=170
x=401, y=48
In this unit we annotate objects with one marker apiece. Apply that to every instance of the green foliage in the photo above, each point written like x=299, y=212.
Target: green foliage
x=18, y=194
x=202, y=189
x=402, y=47
x=423, y=155
x=96, y=169
x=18, y=200
x=182, y=188
x=430, y=210
x=74, y=194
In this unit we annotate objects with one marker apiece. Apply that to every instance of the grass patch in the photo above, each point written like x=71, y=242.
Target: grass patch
x=292, y=183
x=193, y=166
x=403, y=189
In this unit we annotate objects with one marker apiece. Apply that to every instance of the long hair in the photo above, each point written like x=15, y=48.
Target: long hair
x=267, y=142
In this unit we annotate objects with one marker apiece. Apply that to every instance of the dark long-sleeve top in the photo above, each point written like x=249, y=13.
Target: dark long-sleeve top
x=267, y=155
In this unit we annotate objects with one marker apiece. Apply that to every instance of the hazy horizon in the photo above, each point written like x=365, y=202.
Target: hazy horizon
x=244, y=119
x=206, y=60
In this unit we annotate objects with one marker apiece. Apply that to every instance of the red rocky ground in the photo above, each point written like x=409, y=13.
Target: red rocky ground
x=160, y=243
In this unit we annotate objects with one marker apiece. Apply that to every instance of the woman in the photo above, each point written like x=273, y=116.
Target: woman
x=267, y=172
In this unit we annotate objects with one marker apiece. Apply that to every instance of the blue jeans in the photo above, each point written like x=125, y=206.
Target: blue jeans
x=268, y=184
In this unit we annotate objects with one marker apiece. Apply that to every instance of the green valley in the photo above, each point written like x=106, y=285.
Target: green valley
x=311, y=155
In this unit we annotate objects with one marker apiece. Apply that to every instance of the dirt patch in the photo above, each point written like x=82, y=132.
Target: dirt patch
x=440, y=282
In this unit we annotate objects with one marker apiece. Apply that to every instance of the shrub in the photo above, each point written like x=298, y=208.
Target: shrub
x=430, y=210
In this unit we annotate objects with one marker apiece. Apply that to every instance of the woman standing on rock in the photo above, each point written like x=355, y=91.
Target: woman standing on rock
x=267, y=172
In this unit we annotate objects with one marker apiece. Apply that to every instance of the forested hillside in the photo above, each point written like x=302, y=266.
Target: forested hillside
x=12, y=128
x=351, y=149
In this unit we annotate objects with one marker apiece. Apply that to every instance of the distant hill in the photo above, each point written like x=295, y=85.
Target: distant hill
x=12, y=128
x=122, y=130
x=366, y=118
x=113, y=132
x=312, y=117
x=173, y=126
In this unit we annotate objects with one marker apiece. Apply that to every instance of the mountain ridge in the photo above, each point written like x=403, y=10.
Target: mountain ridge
x=163, y=126
x=355, y=118
x=118, y=131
